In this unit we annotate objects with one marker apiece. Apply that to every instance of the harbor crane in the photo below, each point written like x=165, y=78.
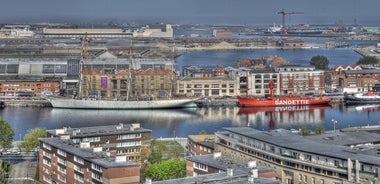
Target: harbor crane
x=283, y=13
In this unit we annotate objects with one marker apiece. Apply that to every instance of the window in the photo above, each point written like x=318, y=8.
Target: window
x=61, y=161
x=46, y=154
x=62, y=178
x=79, y=160
x=62, y=169
x=200, y=166
x=46, y=146
x=79, y=169
x=91, y=139
x=47, y=162
x=131, y=143
x=78, y=177
x=96, y=177
x=61, y=152
x=129, y=136
x=96, y=167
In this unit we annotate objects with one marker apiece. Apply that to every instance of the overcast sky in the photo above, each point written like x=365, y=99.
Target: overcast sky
x=252, y=11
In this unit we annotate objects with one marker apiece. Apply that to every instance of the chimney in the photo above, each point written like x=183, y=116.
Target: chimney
x=217, y=155
x=230, y=171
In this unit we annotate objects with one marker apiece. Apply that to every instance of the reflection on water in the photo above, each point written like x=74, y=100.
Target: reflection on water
x=362, y=108
x=285, y=116
x=169, y=123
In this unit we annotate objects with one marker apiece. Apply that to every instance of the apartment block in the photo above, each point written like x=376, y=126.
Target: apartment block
x=340, y=157
x=128, y=140
x=62, y=161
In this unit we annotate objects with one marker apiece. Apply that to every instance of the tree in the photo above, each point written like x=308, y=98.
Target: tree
x=368, y=60
x=31, y=138
x=319, y=129
x=202, y=132
x=167, y=169
x=320, y=62
x=6, y=134
x=304, y=131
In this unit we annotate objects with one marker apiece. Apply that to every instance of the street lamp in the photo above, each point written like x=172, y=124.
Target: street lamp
x=334, y=121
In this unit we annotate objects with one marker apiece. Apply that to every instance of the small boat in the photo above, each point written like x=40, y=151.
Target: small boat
x=369, y=97
x=281, y=101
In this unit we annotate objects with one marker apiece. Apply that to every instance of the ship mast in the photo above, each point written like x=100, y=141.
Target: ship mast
x=83, y=57
x=129, y=71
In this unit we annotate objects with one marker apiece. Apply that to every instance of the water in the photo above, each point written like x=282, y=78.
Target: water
x=170, y=123
x=337, y=56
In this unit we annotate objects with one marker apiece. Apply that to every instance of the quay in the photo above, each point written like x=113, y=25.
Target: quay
x=204, y=102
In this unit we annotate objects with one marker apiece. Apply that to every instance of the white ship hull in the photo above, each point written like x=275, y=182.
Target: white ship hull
x=119, y=105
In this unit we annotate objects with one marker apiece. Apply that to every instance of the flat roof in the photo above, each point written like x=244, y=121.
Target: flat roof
x=100, y=130
x=99, y=158
x=286, y=139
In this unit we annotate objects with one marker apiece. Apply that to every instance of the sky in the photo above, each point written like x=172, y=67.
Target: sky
x=191, y=11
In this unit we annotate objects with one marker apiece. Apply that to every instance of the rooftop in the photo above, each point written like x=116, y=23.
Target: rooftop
x=286, y=139
x=100, y=130
x=100, y=158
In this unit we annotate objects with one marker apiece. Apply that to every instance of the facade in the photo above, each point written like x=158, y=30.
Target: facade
x=200, y=144
x=258, y=82
x=222, y=34
x=207, y=87
x=300, y=80
x=329, y=158
x=99, y=33
x=354, y=81
x=62, y=161
x=128, y=140
x=120, y=84
x=14, y=88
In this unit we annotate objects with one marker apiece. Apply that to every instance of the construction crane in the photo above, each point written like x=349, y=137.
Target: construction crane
x=283, y=13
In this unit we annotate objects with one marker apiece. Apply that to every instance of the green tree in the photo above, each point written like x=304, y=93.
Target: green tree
x=6, y=134
x=31, y=138
x=202, y=132
x=319, y=130
x=368, y=60
x=167, y=169
x=304, y=131
x=320, y=62
x=157, y=148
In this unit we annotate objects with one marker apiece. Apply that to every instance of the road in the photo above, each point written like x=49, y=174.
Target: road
x=23, y=168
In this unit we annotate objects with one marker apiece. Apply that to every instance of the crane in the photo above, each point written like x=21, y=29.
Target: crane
x=283, y=13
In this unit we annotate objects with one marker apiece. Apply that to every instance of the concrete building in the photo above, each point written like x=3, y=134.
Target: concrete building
x=62, y=161
x=329, y=158
x=103, y=33
x=207, y=87
x=128, y=140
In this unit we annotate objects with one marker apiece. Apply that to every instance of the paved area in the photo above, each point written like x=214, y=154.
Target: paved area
x=23, y=173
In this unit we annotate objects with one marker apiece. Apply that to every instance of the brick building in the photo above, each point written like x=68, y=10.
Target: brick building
x=128, y=140
x=62, y=161
x=200, y=144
